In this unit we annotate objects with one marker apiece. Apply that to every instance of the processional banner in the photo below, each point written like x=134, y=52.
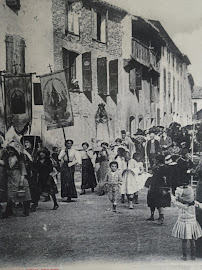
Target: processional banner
x=18, y=101
x=56, y=100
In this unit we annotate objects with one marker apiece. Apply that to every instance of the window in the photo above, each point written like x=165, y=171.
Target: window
x=37, y=94
x=87, y=71
x=69, y=64
x=113, y=76
x=72, y=14
x=135, y=78
x=164, y=81
x=13, y=4
x=151, y=91
x=99, y=26
x=15, y=54
x=173, y=88
x=102, y=75
x=178, y=90
x=169, y=83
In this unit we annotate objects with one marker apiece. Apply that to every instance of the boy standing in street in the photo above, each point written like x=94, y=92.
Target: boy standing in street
x=113, y=182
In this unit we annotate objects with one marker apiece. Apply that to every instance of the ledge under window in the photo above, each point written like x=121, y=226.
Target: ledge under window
x=99, y=41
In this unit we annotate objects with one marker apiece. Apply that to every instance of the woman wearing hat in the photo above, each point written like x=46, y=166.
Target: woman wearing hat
x=44, y=168
x=186, y=228
x=69, y=157
x=18, y=187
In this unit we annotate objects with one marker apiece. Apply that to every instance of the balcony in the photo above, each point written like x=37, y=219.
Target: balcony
x=142, y=54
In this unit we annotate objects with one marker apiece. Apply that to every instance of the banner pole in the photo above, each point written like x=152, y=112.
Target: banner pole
x=63, y=130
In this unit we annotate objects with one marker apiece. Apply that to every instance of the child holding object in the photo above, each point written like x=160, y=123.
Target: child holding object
x=113, y=182
x=186, y=227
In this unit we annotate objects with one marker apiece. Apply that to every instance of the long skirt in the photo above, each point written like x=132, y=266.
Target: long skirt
x=158, y=197
x=88, y=175
x=68, y=188
x=103, y=170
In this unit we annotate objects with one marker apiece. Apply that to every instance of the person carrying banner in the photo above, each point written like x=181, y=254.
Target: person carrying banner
x=69, y=157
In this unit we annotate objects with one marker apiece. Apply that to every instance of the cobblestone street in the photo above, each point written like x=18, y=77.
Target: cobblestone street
x=85, y=231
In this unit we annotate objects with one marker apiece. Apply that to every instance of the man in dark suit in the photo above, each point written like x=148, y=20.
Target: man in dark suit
x=153, y=148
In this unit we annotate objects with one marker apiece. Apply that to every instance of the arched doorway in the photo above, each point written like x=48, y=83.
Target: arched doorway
x=141, y=122
x=132, y=125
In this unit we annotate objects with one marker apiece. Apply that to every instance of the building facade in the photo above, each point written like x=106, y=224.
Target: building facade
x=110, y=57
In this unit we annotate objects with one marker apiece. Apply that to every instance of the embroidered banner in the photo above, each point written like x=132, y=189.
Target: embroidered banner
x=56, y=100
x=18, y=102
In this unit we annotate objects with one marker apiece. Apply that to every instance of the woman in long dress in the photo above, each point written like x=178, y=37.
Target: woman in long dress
x=44, y=169
x=88, y=174
x=69, y=157
x=18, y=186
x=103, y=157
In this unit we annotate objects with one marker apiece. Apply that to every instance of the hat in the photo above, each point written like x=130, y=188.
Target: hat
x=183, y=143
x=160, y=159
x=16, y=145
x=123, y=132
x=187, y=195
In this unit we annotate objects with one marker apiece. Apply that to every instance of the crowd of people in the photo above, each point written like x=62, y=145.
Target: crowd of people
x=158, y=159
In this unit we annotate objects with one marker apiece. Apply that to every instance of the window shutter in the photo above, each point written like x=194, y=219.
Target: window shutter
x=21, y=56
x=76, y=24
x=65, y=56
x=106, y=30
x=138, y=79
x=66, y=16
x=151, y=91
x=94, y=23
x=9, y=53
x=38, y=100
x=87, y=71
x=103, y=28
x=132, y=79
x=113, y=76
x=102, y=75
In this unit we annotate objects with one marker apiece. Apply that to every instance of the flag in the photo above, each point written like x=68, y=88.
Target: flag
x=56, y=100
x=18, y=101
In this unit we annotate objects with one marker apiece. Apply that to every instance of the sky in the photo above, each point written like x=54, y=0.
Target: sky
x=182, y=19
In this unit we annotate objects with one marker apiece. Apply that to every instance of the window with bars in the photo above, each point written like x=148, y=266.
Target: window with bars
x=99, y=25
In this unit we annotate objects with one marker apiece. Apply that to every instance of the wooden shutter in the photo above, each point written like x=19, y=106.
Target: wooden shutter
x=107, y=19
x=65, y=57
x=87, y=71
x=132, y=79
x=94, y=23
x=113, y=76
x=9, y=53
x=138, y=79
x=21, y=51
x=102, y=75
x=151, y=91
x=37, y=94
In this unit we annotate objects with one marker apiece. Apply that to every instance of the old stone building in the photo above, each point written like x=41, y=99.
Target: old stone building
x=124, y=62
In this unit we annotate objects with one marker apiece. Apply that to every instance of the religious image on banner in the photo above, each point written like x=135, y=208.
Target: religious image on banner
x=56, y=100
x=18, y=102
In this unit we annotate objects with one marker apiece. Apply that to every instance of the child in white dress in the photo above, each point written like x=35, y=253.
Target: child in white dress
x=186, y=227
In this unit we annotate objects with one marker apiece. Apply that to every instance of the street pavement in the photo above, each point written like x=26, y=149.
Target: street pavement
x=85, y=232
